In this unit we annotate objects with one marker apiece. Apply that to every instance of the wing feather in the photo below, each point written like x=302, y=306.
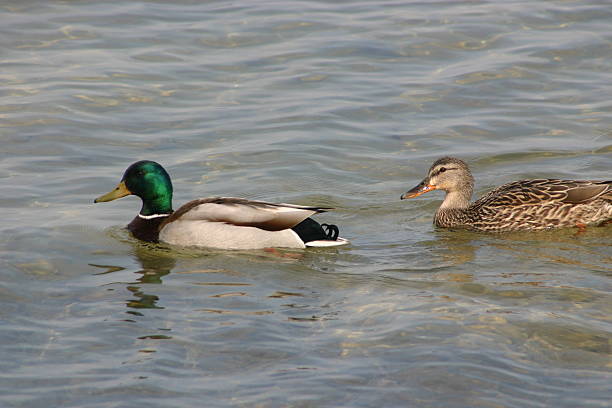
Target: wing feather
x=585, y=193
x=537, y=191
x=242, y=212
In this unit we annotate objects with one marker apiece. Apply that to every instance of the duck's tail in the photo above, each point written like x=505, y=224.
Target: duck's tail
x=318, y=235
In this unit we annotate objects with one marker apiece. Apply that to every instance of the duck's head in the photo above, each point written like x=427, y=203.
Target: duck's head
x=147, y=180
x=449, y=174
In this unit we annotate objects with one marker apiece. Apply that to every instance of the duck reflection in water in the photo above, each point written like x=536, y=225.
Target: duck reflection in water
x=154, y=267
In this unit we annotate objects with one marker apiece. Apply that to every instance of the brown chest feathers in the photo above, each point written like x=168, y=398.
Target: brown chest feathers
x=146, y=229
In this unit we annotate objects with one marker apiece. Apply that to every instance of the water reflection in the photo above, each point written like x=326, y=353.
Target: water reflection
x=456, y=247
x=143, y=300
x=588, y=249
x=155, y=263
x=154, y=266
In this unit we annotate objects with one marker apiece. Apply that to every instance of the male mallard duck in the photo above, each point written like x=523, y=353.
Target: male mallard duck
x=219, y=222
x=521, y=205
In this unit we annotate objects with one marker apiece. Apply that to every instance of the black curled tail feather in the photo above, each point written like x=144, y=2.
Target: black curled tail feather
x=310, y=230
x=331, y=231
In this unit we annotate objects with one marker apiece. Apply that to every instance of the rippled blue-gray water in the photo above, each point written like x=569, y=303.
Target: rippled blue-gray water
x=340, y=104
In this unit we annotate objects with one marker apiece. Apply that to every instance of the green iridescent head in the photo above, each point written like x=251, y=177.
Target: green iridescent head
x=147, y=180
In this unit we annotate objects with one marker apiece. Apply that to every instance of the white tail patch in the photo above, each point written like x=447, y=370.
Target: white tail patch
x=327, y=243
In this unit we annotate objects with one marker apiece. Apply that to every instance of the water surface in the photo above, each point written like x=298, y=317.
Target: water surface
x=341, y=104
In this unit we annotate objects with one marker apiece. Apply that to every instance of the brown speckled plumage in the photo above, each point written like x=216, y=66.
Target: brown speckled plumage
x=520, y=205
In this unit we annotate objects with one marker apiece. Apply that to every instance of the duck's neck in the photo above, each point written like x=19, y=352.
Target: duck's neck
x=452, y=212
x=456, y=200
x=146, y=228
x=158, y=205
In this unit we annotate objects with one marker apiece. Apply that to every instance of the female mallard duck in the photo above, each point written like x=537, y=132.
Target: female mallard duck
x=218, y=222
x=521, y=205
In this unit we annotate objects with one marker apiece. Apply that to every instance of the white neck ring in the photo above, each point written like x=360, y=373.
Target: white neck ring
x=150, y=217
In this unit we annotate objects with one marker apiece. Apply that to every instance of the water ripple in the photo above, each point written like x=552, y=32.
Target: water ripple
x=340, y=104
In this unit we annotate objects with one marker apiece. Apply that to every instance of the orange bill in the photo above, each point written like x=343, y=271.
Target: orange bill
x=422, y=188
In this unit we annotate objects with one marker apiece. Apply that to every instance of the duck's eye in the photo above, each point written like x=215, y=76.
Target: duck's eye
x=442, y=169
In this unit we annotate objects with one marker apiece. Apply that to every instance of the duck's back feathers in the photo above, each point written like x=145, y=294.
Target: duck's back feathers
x=539, y=204
x=244, y=213
x=539, y=191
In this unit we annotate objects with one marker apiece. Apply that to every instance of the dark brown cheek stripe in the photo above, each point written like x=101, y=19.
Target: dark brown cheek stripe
x=446, y=169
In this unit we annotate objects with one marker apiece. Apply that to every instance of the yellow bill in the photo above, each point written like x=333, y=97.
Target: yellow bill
x=120, y=191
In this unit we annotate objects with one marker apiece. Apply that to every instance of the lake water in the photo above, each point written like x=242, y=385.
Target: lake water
x=342, y=104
